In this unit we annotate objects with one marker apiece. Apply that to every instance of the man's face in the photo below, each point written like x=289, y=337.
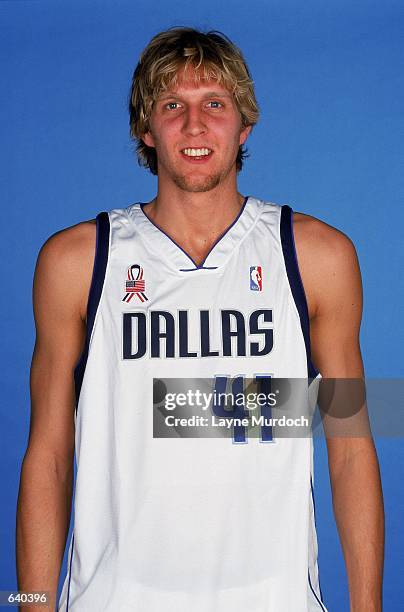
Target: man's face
x=196, y=130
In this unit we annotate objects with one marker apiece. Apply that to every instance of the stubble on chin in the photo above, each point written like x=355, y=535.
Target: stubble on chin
x=207, y=183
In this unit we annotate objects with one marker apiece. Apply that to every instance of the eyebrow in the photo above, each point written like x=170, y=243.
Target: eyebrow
x=209, y=94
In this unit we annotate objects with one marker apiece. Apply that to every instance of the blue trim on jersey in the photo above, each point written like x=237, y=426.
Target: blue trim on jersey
x=314, y=593
x=70, y=574
x=315, y=526
x=201, y=266
x=295, y=281
x=97, y=281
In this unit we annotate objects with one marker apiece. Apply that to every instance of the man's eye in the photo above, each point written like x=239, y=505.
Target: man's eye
x=172, y=105
x=215, y=104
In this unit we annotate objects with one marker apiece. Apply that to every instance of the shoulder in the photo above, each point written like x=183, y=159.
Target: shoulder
x=66, y=260
x=322, y=238
x=327, y=260
x=70, y=241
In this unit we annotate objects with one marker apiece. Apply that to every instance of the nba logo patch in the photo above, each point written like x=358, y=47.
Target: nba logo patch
x=255, y=278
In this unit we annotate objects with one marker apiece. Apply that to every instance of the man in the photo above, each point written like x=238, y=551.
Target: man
x=200, y=282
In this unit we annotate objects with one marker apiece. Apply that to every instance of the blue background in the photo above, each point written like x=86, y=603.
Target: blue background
x=329, y=80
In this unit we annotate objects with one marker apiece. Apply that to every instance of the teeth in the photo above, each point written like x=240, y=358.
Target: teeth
x=196, y=152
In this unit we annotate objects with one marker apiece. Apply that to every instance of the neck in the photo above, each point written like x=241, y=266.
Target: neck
x=195, y=220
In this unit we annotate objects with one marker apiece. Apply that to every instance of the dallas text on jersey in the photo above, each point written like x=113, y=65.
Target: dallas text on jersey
x=161, y=334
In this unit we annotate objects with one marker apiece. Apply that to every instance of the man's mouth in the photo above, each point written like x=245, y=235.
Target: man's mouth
x=197, y=153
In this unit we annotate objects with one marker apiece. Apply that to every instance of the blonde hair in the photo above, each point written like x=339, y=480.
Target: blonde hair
x=212, y=55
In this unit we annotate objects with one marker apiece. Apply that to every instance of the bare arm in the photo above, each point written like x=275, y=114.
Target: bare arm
x=331, y=271
x=61, y=284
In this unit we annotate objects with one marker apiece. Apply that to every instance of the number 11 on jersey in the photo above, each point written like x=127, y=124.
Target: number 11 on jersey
x=241, y=409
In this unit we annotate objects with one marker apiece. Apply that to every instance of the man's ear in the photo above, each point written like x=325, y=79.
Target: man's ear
x=244, y=134
x=148, y=139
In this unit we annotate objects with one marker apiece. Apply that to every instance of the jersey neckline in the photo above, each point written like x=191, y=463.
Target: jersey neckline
x=220, y=251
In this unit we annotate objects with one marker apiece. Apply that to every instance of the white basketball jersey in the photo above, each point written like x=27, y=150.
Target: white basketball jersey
x=194, y=522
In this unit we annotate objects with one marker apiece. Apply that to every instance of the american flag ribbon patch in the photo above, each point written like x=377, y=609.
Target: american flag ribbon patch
x=135, y=284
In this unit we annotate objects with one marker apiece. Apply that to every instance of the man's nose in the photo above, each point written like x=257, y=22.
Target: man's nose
x=194, y=123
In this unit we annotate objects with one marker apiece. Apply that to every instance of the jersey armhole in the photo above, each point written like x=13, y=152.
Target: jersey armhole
x=295, y=281
x=97, y=283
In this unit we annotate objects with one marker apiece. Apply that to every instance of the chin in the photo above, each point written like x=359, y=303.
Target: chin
x=197, y=185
